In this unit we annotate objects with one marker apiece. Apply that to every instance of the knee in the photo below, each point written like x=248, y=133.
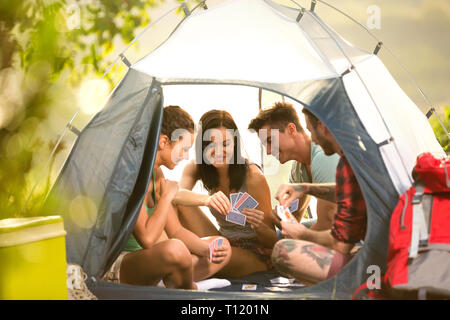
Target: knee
x=176, y=254
x=280, y=253
x=276, y=250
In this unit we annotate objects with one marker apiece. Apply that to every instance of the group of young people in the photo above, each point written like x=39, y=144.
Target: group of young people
x=171, y=241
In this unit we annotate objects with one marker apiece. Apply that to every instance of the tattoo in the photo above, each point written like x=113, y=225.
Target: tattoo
x=323, y=256
x=325, y=191
x=300, y=187
x=280, y=256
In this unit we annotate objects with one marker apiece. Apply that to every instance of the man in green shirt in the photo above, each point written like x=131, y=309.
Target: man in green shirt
x=279, y=130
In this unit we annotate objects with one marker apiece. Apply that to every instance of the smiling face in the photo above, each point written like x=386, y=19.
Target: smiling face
x=171, y=153
x=220, y=151
x=281, y=145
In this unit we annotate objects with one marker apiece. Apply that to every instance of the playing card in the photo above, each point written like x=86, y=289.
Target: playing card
x=293, y=206
x=213, y=246
x=285, y=214
x=251, y=287
x=236, y=217
x=278, y=289
x=246, y=201
x=233, y=198
x=281, y=280
x=240, y=194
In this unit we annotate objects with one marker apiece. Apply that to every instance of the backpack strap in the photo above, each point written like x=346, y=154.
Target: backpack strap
x=422, y=205
x=447, y=174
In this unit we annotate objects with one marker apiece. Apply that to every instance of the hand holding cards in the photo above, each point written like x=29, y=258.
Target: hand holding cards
x=293, y=206
x=285, y=214
x=239, y=202
x=213, y=245
x=236, y=217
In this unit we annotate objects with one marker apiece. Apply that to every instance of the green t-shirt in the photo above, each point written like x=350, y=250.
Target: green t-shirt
x=323, y=168
x=132, y=244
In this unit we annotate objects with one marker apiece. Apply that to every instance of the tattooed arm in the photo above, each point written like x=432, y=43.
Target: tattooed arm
x=290, y=191
x=324, y=238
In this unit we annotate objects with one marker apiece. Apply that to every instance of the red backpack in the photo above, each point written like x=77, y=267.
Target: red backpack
x=418, y=263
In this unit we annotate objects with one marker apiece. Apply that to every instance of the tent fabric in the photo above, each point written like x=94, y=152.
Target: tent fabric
x=252, y=43
x=113, y=291
x=256, y=26
x=330, y=103
x=102, y=184
x=387, y=112
x=252, y=25
x=331, y=45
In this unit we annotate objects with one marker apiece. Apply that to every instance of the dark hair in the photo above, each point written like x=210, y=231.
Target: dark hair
x=278, y=116
x=175, y=118
x=207, y=173
x=312, y=118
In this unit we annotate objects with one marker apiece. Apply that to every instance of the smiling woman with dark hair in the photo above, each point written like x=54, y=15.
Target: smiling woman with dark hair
x=237, y=165
x=223, y=170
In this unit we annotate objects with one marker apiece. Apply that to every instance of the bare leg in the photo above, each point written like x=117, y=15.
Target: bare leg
x=193, y=219
x=168, y=260
x=243, y=262
x=163, y=237
x=303, y=260
x=203, y=268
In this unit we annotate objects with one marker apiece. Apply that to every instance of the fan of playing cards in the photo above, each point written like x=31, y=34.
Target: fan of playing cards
x=242, y=200
x=285, y=214
x=239, y=202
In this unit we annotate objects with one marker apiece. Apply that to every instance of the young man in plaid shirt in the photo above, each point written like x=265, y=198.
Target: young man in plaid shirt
x=312, y=256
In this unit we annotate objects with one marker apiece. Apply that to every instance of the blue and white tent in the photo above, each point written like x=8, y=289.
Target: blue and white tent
x=380, y=130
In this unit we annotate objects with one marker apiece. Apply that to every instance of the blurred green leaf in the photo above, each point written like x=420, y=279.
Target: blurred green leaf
x=439, y=131
x=44, y=43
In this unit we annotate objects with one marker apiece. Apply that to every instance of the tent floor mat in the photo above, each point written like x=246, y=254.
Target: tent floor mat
x=260, y=279
x=106, y=290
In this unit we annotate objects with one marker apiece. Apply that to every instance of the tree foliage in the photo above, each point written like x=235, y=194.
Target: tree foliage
x=42, y=42
x=439, y=131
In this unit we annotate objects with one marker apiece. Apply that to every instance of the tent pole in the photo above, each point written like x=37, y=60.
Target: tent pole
x=377, y=48
x=424, y=96
x=260, y=108
x=302, y=12
x=298, y=4
x=300, y=15
x=186, y=10
x=148, y=27
x=125, y=60
x=259, y=99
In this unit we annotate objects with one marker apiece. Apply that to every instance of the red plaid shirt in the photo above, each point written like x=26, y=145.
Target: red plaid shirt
x=350, y=220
